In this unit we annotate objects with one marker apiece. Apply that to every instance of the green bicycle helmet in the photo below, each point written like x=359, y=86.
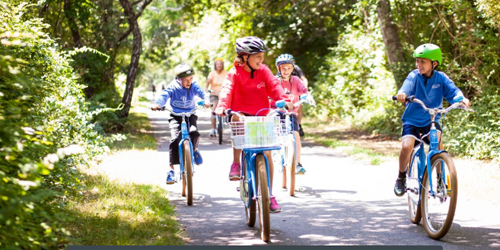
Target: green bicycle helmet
x=429, y=51
x=183, y=70
x=284, y=59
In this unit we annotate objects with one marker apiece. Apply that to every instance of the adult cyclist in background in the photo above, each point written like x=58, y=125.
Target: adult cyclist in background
x=214, y=82
x=246, y=89
x=294, y=88
x=297, y=71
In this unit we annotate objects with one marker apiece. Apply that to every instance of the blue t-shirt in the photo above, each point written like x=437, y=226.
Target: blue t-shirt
x=181, y=99
x=430, y=91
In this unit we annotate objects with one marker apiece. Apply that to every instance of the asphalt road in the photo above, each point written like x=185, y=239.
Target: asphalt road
x=339, y=201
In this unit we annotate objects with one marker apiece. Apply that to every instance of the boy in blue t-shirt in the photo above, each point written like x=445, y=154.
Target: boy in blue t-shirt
x=430, y=86
x=181, y=92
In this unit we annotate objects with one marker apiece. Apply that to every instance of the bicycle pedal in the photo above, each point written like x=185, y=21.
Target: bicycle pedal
x=238, y=189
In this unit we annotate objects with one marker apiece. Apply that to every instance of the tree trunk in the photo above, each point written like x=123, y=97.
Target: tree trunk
x=390, y=34
x=136, y=54
x=70, y=15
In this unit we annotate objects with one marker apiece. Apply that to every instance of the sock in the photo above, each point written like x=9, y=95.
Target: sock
x=402, y=175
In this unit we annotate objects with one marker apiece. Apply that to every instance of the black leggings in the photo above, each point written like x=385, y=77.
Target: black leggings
x=175, y=134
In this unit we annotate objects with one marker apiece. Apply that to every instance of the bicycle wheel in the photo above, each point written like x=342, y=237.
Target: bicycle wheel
x=281, y=163
x=263, y=198
x=412, y=185
x=291, y=164
x=244, y=193
x=439, y=208
x=187, y=180
x=219, y=128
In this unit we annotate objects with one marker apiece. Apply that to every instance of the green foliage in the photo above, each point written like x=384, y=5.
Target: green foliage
x=45, y=132
x=354, y=83
x=476, y=134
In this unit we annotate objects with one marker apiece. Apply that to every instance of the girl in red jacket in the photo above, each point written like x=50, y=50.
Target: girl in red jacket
x=246, y=89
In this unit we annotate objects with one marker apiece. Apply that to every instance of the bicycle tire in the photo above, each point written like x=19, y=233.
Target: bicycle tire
x=263, y=198
x=244, y=192
x=413, y=190
x=282, y=164
x=448, y=197
x=219, y=129
x=291, y=166
x=187, y=181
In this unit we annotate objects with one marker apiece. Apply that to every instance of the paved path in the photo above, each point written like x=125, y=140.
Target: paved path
x=340, y=200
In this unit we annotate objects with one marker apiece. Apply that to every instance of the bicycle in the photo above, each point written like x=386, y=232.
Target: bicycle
x=254, y=135
x=218, y=120
x=186, y=157
x=288, y=154
x=431, y=180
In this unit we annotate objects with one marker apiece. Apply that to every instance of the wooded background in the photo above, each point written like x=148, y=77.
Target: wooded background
x=65, y=65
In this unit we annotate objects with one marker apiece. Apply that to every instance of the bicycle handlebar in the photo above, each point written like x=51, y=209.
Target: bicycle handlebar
x=433, y=111
x=188, y=114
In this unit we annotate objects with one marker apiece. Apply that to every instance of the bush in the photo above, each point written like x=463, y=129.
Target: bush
x=45, y=132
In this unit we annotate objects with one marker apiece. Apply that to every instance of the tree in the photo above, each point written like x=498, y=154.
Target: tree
x=393, y=47
x=136, y=50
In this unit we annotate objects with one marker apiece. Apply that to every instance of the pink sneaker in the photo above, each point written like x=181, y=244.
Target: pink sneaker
x=234, y=174
x=274, y=206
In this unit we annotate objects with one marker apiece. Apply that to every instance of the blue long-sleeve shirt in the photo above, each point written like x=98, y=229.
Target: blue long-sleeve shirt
x=430, y=91
x=181, y=99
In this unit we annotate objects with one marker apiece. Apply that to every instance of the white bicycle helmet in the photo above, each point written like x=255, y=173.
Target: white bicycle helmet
x=284, y=59
x=249, y=45
x=183, y=70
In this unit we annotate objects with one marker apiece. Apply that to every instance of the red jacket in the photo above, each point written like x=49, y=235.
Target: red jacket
x=241, y=93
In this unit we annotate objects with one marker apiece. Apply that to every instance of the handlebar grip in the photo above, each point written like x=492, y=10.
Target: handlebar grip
x=408, y=98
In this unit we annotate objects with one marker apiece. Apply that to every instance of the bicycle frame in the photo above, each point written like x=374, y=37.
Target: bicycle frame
x=249, y=160
x=424, y=160
x=185, y=136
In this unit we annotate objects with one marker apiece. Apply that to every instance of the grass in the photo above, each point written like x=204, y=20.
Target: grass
x=111, y=213
x=137, y=131
x=344, y=139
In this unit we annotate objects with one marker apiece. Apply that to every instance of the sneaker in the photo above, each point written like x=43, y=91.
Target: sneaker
x=197, y=157
x=301, y=132
x=299, y=169
x=234, y=174
x=274, y=206
x=170, y=177
x=213, y=133
x=400, y=187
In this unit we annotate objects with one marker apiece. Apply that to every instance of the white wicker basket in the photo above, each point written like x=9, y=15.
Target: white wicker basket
x=257, y=132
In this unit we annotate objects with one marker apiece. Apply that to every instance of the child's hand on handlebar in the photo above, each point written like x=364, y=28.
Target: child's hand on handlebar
x=220, y=111
x=401, y=97
x=156, y=108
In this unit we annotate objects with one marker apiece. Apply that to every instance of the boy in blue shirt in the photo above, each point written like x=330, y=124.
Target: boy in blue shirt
x=181, y=92
x=430, y=86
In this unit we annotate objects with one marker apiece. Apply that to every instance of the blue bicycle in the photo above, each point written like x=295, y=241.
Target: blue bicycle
x=288, y=156
x=186, y=157
x=431, y=182
x=254, y=135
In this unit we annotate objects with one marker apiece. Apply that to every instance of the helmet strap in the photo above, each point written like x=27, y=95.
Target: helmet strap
x=251, y=69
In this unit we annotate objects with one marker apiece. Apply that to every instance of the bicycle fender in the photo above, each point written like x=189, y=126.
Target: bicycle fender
x=429, y=157
x=431, y=154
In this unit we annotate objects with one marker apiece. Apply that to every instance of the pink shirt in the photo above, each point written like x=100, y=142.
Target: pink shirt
x=293, y=89
x=241, y=93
